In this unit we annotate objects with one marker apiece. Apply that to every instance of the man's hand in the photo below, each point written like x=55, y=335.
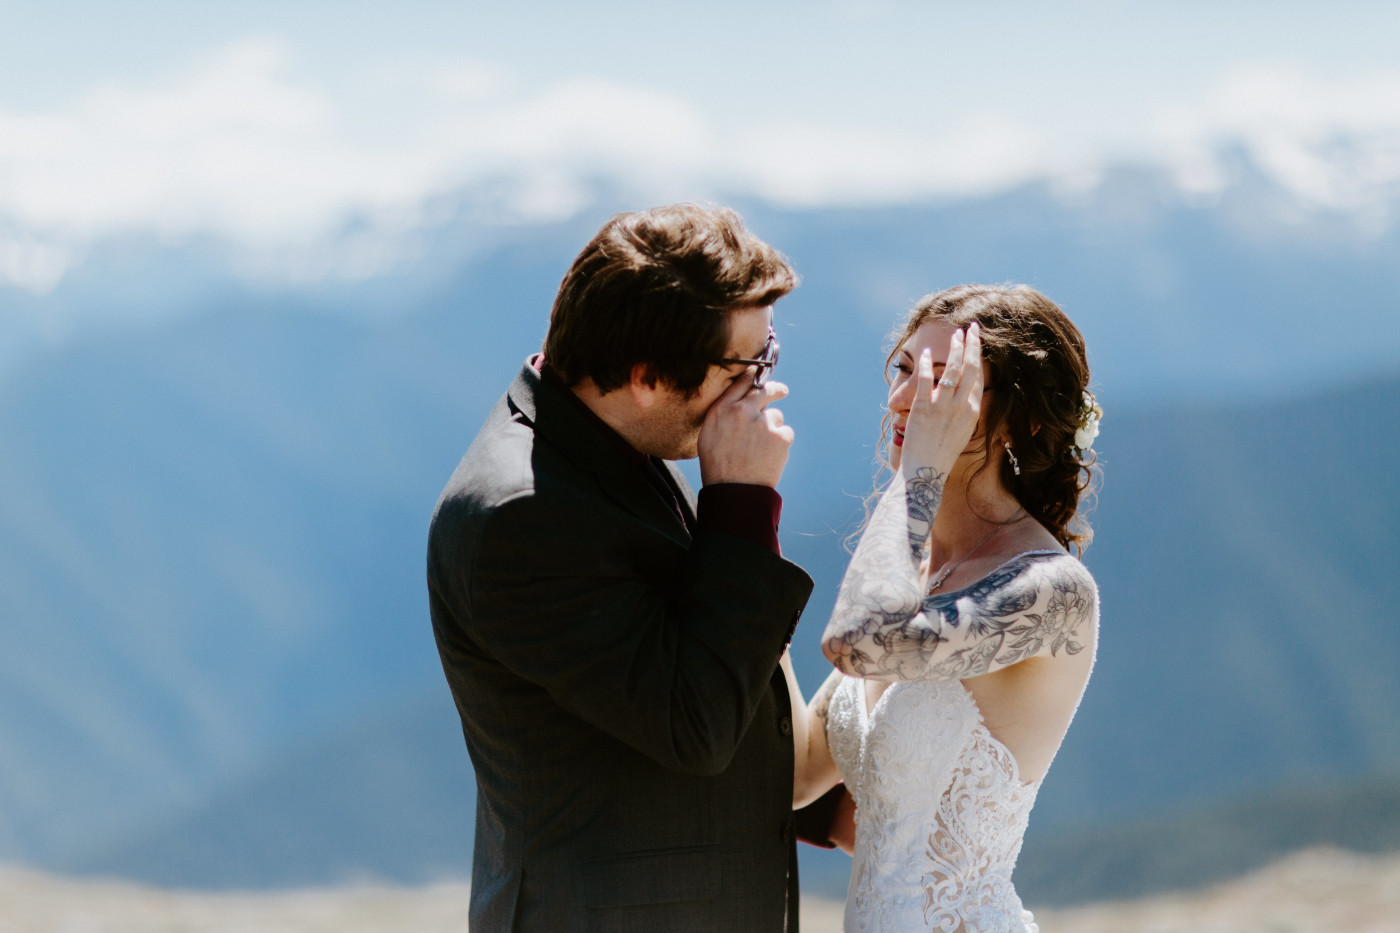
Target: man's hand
x=743, y=440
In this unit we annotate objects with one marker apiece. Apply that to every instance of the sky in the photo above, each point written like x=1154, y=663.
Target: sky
x=272, y=123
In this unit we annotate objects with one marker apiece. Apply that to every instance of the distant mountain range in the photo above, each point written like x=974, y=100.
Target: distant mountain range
x=1206, y=843
x=217, y=667
x=1211, y=702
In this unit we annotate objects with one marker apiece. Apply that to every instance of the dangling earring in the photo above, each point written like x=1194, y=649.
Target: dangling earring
x=1015, y=464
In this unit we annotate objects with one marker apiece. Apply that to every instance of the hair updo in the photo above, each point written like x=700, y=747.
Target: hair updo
x=1038, y=370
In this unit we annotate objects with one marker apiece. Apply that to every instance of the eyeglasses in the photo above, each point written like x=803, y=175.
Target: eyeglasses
x=765, y=362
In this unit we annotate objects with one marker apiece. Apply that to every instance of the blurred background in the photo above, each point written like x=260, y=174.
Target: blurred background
x=264, y=268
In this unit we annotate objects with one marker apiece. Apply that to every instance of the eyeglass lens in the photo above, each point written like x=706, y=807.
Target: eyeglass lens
x=769, y=356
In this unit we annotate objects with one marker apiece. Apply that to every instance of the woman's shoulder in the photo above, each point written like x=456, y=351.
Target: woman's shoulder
x=1053, y=562
x=1035, y=575
x=1055, y=568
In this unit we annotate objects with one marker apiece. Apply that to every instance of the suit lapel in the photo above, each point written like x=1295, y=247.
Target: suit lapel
x=557, y=420
x=625, y=484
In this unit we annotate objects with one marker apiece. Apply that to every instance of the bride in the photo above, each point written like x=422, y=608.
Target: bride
x=964, y=631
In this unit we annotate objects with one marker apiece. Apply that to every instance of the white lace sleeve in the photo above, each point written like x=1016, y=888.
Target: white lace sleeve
x=884, y=628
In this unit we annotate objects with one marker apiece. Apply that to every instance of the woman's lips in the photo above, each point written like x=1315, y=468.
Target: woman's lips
x=898, y=437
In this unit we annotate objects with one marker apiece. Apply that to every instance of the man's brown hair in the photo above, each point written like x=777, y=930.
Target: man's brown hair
x=656, y=287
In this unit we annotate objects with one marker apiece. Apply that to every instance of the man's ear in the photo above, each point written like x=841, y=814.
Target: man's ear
x=644, y=386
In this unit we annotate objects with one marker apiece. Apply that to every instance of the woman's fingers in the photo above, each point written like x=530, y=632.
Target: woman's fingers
x=924, y=387
x=943, y=415
x=971, y=384
x=952, y=373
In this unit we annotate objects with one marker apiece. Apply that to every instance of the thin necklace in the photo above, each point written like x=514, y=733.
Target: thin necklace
x=1020, y=513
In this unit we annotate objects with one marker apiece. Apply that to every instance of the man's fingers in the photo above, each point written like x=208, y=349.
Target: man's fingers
x=737, y=389
x=775, y=424
x=742, y=391
x=743, y=440
x=772, y=392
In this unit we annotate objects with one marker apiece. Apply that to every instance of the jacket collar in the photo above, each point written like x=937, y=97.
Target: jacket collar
x=559, y=419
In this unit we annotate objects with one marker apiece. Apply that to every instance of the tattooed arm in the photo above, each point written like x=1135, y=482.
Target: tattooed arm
x=871, y=631
x=885, y=629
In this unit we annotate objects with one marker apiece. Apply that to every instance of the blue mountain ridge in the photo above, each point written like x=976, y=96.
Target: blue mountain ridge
x=212, y=519
x=1177, y=718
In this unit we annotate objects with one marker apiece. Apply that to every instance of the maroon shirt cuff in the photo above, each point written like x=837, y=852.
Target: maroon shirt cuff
x=748, y=511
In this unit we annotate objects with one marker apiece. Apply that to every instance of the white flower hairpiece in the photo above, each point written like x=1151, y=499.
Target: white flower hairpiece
x=1090, y=416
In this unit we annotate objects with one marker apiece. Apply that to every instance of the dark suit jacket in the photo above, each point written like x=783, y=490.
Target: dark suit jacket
x=618, y=687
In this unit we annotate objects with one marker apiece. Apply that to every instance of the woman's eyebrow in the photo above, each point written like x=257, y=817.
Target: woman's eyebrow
x=906, y=355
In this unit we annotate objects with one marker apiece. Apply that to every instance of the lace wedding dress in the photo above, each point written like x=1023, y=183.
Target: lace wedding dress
x=940, y=806
x=940, y=811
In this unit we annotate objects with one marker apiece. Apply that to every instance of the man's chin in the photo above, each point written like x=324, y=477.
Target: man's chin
x=684, y=453
x=688, y=447
x=674, y=450
x=682, y=442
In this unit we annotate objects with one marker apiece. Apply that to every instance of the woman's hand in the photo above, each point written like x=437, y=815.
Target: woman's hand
x=943, y=416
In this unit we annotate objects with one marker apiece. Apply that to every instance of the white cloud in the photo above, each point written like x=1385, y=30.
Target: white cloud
x=243, y=148
x=1332, y=144
x=225, y=148
x=810, y=165
x=239, y=149
x=33, y=263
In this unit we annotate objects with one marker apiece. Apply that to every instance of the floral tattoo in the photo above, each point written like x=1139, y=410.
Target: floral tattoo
x=885, y=627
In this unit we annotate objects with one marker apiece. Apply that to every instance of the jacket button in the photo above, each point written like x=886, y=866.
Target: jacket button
x=785, y=726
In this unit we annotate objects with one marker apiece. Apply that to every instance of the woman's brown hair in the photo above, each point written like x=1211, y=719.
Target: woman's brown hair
x=1038, y=373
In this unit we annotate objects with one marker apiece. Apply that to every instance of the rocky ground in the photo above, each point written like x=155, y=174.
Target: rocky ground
x=1317, y=891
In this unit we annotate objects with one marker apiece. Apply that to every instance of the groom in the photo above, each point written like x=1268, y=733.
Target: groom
x=612, y=644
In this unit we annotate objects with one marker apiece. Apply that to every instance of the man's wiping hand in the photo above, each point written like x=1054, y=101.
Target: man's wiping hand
x=743, y=439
